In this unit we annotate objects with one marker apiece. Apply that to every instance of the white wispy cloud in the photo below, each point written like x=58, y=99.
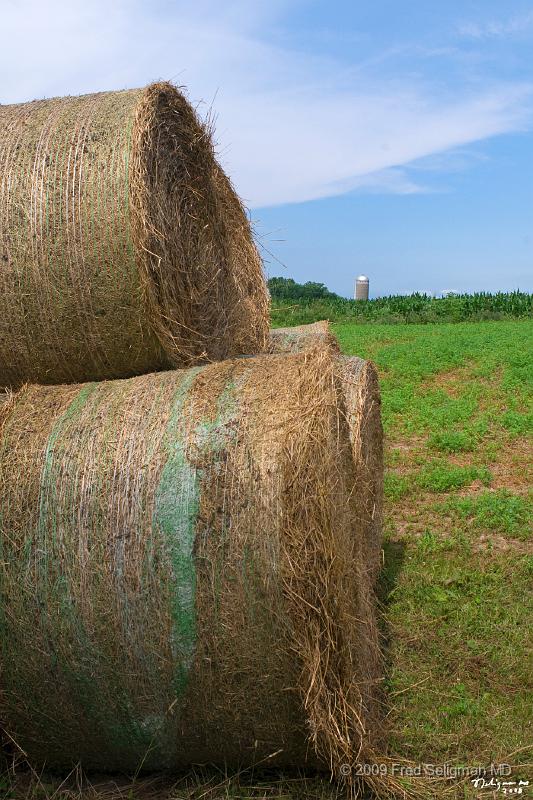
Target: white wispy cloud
x=291, y=126
x=517, y=24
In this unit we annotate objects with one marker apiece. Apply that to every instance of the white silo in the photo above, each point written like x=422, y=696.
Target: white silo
x=361, y=288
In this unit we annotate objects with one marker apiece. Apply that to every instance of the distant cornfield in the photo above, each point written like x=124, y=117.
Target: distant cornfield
x=415, y=308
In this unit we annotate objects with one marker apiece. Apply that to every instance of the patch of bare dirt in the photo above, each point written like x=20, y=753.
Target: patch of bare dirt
x=496, y=543
x=413, y=516
x=405, y=443
x=514, y=469
x=452, y=381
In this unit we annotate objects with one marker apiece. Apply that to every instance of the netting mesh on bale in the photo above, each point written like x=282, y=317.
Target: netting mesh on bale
x=123, y=246
x=182, y=571
x=360, y=387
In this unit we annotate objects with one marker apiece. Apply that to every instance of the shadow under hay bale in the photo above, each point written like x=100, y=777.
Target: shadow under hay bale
x=360, y=386
x=123, y=246
x=183, y=573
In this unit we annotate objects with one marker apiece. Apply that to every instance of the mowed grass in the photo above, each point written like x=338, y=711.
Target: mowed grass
x=457, y=586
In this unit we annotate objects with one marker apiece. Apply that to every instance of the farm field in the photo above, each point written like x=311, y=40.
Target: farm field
x=292, y=305
x=457, y=404
x=458, y=417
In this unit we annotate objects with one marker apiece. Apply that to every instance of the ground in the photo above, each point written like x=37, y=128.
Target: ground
x=458, y=556
x=458, y=571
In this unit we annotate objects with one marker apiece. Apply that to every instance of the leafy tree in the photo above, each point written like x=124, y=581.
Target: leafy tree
x=288, y=289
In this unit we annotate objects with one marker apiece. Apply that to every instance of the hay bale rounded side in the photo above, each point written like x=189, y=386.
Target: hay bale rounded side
x=362, y=407
x=117, y=253
x=182, y=574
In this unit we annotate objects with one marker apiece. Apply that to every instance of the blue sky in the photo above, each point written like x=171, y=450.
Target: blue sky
x=386, y=137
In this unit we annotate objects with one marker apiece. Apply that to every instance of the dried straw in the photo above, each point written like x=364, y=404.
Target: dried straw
x=360, y=385
x=302, y=338
x=182, y=571
x=123, y=247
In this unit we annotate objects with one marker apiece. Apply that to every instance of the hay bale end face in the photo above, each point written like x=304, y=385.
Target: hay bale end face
x=362, y=402
x=360, y=385
x=117, y=252
x=302, y=338
x=182, y=571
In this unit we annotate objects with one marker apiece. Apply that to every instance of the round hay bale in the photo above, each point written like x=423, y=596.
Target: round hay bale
x=302, y=338
x=183, y=574
x=123, y=247
x=362, y=401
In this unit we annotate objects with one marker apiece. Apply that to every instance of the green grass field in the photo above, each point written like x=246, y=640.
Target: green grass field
x=456, y=588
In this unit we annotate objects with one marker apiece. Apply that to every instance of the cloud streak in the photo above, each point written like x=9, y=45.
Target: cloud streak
x=291, y=126
x=497, y=29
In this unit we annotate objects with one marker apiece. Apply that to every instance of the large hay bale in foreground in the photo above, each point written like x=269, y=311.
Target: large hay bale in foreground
x=123, y=246
x=182, y=571
x=360, y=385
